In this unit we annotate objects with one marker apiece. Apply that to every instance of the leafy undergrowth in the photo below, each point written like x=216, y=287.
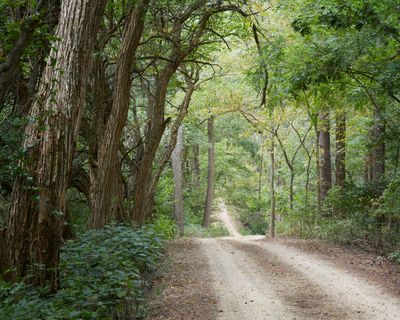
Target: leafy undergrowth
x=102, y=277
x=216, y=229
x=395, y=256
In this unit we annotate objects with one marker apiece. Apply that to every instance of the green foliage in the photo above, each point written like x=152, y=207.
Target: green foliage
x=216, y=229
x=395, y=256
x=254, y=221
x=78, y=210
x=102, y=276
x=339, y=231
x=164, y=196
x=164, y=226
x=359, y=212
x=11, y=137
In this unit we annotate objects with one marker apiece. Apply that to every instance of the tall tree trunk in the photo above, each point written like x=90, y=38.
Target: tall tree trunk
x=272, y=212
x=378, y=169
x=118, y=211
x=317, y=168
x=210, y=173
x=38, y=201
x=291, y=192
x=153, y=179
x=196, y=165
x=260, y=172
x=369, y=168
x=308, y=171
x=314, y=121
x=379, y=145
x=145, y=182
x=102, y=187
x=182, y=47
x=325, y=155
x=340, y=148
x=142, y=189
x=176, y=160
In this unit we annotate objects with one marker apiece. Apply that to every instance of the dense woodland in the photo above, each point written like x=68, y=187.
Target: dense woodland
x=144, y=113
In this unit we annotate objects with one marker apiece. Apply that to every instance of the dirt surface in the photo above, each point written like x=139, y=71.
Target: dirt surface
x=372, y=267
x=183, y=289
x=254, y=278
x=227, y=220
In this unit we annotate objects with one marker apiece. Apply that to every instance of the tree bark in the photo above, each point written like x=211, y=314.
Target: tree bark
x=183, y=46
x=318, y=169
x=340, y=148
x=167, y=152
x=260, y=172
x=325, y=155
x=272, y=213
x=378, y=166
x=308, y=171
x=378, y=138
x=210, y=173
x=156, y=127
x=102, y=185
x=38, y=201
x=369, y=168
x=176, y=161
x=290, y=165
x=196, y=166
x=118, y=211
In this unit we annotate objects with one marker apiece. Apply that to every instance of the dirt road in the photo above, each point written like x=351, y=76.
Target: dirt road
x=250, y=277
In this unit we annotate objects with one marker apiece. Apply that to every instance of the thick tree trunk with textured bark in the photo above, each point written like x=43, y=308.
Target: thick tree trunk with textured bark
x=80, y=181
x=210, y=173
x=102, y=192
x=176, y=161
x=340, y=148
x=36, y=220
x=325, y=155
x=118, y=210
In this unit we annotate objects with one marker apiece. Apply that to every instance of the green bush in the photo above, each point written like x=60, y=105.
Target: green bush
x=344, y=231
x=165, y=227
x=395, y=256
x=369, y=212
x=216, y=229
x=102, y=277
x=255, y=222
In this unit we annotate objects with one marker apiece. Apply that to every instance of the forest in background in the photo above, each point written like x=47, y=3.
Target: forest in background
x=145, y=112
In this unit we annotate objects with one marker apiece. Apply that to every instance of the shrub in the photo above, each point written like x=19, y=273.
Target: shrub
x=102, y=276
x=216, y=229
x=165, y=227
x=395, y=256
x=255, y=222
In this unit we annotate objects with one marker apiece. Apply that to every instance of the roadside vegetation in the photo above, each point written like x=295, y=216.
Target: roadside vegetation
x=122, y=122
x=104, y=274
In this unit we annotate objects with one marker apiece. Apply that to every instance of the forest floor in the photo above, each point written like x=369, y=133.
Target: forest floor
x=256, y=278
